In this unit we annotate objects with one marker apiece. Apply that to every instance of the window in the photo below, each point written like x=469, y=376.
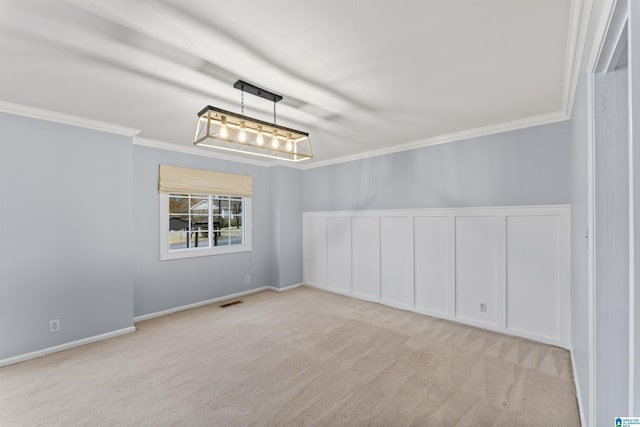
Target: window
x=196, y=224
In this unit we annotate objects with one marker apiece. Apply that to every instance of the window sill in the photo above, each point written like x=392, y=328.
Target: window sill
x=195, y=253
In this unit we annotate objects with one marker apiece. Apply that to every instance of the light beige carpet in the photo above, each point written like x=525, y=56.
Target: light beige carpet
x=302, y=357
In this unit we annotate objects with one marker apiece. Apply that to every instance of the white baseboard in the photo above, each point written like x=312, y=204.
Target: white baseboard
x=463, y=321
x=286, y=288
x=137, y=319
x=66, y=346
x=576, y=382
x=77, y=343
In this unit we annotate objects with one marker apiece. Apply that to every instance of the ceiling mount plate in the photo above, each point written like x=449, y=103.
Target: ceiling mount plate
x=257, y=91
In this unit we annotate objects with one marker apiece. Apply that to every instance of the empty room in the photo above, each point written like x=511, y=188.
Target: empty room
x=323, y=213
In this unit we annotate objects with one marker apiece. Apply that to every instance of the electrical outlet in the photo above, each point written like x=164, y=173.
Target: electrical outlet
x=54, y=325
x=247, y=279
x=483, y=307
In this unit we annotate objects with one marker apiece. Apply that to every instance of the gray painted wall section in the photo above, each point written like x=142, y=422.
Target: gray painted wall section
x=579, y=244
x=162, y=285
x=523, y=167
x=286, y=226
x=66, y=218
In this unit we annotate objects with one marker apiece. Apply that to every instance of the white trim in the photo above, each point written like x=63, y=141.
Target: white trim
x=501, y=276
x=436, y=315
x=196, y=151
x=561, y=338
x=143, y=317
x=168, y=255
x=286, y=288
x=442, y=139
x=599, y=33
x=52, y=116
x=66, y=346
x=578, y=31
x=615, y=31
x=462, y=211
x=576, y=381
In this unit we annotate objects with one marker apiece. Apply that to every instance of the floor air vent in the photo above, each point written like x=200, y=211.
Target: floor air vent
x=230, y=303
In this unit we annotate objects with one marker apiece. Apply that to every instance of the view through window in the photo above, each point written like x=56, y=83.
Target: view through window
x=205, y=221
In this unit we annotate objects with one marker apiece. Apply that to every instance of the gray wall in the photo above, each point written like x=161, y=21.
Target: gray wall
x=579, y=244
x=161, y=285
x=80, y=235
x=66, y=220
x=523, y=167
x=286, y=226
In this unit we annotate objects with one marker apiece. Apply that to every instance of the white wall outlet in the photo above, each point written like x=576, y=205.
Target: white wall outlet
x=247, y=279
x=54, y=325
x=483, y=307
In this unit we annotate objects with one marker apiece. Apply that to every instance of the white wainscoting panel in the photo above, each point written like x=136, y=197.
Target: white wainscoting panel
x=365, y=257
x=476, y=268
x=533, y=284
x=339, y=254
x=315, y=256
x=447, y=262
x=395, y=260
x=431, y=264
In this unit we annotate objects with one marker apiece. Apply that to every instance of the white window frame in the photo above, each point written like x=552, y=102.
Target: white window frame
x=169, y=254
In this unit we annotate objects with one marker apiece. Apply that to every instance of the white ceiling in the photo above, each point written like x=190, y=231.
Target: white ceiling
x=362, y=76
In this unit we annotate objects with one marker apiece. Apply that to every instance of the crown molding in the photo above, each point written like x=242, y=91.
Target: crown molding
x=196, y=151
x=66, y=119
x=451, y=137
x=52, y=116
x=579, y=19
x=601, y=15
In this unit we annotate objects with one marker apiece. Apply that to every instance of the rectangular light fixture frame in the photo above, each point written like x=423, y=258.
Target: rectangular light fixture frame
x=225, y=130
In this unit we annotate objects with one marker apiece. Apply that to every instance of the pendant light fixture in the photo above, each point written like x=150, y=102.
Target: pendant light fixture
x=224, y=130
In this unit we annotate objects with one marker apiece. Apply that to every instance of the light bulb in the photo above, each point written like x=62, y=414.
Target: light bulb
x=242, y=135
x=274, y=140
x=260, y=137
x=224, y=131
x=289, y=144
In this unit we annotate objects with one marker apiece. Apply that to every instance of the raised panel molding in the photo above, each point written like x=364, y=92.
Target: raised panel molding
x=477, y=269
x=395, y=255
x=315, y=252
x=339, y=254
x=365, y=259
x=532, y=269
x=431, y=264
x=446, y=262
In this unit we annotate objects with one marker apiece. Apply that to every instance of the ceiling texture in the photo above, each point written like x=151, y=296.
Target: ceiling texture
x=363, y=77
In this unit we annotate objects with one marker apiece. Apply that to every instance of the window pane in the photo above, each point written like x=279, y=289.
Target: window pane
x=190, y=217
x=235, y=221
x=177, y=239
x=223, y=238
x=236, y=235
x=200, y=205
x=178, y=222
x=199, y=222
x=198, y=239
x=179, y=204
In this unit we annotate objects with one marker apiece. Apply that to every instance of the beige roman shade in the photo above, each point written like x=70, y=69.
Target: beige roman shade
x=175, y=180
